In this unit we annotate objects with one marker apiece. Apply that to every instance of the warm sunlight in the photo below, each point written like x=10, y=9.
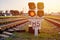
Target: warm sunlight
x=29, y=19
x=52, y=5
x=49, y=5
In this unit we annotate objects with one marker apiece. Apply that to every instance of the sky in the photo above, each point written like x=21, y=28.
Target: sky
x=49, y=5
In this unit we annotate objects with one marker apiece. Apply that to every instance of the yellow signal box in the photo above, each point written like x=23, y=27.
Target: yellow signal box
x=31, y=5
x=40, y=13
x=40, y=5
x=36, y=16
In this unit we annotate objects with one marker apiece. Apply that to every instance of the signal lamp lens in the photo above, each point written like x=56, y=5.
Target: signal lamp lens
x=31, y=13
x=40, y=13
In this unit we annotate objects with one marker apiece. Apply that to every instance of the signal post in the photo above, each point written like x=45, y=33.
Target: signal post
x=35, y=16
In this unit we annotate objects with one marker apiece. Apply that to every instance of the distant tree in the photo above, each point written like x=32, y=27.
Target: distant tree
x=14, y=12
x=21, y=13
x=6, y=11
x=1, y=13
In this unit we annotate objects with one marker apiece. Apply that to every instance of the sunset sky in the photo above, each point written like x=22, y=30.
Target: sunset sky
x=50, y=5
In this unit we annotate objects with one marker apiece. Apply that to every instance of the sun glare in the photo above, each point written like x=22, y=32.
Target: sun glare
x=49, y=5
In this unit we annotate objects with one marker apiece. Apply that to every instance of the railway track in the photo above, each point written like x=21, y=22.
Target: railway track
x=56, y=23
x=4, y=29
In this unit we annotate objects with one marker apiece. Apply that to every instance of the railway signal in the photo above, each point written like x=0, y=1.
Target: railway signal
x=32, y=13
x=31, y=5
x=34, y=20
x=40, y=5
x=40, y=9
x=40, y=13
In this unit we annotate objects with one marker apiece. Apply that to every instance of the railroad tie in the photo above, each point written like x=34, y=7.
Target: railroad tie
x=8, y=33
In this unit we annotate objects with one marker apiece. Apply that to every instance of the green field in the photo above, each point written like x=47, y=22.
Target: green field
x=28, y=36
x=47, y=32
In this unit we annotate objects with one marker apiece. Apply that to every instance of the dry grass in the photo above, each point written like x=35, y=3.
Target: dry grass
x=47, y=32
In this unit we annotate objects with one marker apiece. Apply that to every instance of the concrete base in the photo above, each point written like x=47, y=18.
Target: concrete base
x=31, y=30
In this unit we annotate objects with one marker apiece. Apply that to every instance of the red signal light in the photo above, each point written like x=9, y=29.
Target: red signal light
x=31, y=13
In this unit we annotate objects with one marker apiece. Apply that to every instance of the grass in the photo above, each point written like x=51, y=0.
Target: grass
x=28, y=36
x=47, y=32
